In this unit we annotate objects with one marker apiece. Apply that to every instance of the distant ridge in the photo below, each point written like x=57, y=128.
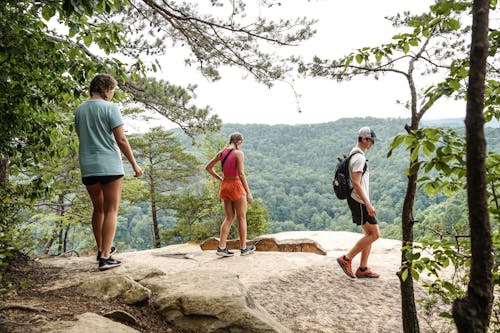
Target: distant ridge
x=455, y=122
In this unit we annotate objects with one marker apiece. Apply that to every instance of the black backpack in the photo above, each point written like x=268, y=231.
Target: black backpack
x=341, y=180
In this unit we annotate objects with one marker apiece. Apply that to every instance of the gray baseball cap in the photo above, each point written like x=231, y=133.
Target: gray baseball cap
x=366, y=132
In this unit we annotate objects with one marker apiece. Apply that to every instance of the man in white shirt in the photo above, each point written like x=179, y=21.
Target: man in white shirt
x=362, y=210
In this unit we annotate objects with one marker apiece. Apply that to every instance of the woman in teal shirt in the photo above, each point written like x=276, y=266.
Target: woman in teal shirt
x=101, y=137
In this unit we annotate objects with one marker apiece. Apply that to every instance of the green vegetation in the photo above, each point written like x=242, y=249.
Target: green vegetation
x=290, y=169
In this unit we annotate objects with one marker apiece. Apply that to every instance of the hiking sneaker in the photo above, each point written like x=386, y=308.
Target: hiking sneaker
x=111, y=252
x=346, y=266
x=224, y=252
x=248, y=250
x=109, y=263
x=366, y=274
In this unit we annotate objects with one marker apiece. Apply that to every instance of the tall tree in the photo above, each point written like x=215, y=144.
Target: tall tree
x=166, y=166
x=472, y=313
x=435, y=48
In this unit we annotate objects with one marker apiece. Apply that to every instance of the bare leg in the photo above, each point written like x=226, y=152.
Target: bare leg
x=226, y=225
x=241, y=213
x=97, y=198
x=112, y=194
x=372, y=233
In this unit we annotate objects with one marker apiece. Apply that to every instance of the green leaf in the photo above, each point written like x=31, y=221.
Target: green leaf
x=359, y=58
x=404, y=275
x=454, y=84
x=398, y=140
x=413, y=42
x=415, y=275
x=348, y=61
x=406, y=48
x=48, y=12
x=414, y=153
x=87, y=40
x=431, y=188
x=446, y=315
x=453, y=24
x=413, y=170
x=428, y=148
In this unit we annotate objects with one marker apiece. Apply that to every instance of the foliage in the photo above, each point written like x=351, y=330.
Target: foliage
x=49, y=50
x=166, y=167
x=441, y=153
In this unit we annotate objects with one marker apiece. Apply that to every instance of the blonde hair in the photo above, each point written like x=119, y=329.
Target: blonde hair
x=235, y=137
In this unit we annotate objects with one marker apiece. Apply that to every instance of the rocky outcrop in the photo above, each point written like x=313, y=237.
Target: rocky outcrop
x=213, y=242
x=289, y=245
x=204, y=301
x=269, y=244
x=85, y=323
x=196, y=299
x=114, y=286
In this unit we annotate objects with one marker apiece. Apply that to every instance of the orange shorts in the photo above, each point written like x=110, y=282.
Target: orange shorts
x=231, y=189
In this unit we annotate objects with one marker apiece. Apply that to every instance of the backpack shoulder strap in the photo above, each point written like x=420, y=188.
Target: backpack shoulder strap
x=364, y=167
x=225, y=158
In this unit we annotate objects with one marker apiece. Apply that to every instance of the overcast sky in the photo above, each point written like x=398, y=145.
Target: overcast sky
x=343, y=26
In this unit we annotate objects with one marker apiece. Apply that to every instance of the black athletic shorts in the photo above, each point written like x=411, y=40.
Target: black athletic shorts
x=359, y=213
x=92, y=180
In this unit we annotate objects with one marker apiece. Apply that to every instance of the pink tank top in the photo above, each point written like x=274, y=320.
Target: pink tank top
x=229, y=169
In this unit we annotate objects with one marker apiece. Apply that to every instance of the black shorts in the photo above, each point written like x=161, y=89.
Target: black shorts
x=92, y=180
x=359, y=213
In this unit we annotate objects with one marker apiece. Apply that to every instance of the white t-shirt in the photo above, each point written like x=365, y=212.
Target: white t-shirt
x=356, y=164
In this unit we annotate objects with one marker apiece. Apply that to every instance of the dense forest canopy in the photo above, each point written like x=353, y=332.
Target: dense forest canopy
x=290, y=169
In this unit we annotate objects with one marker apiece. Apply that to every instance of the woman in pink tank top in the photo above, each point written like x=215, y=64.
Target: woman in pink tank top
x=234, y=191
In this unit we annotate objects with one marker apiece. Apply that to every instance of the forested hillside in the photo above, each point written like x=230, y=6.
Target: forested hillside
x=291, y=168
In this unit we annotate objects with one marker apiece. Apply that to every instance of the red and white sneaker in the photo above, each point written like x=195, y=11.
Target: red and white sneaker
x=346, y=266
x=367, y=273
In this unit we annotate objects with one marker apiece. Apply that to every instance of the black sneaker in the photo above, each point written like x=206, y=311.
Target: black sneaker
x=248, y=250
x=105, y=264
x=224, y=252
x=111, y=252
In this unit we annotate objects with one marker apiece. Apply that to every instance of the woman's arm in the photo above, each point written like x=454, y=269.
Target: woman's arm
x=124, y=146
x=240, y=158
x=210, y=166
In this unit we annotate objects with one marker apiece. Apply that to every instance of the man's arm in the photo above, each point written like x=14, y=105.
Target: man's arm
x=356, y=184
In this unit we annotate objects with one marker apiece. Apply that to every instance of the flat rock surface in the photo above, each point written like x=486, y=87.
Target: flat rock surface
x=305, y=292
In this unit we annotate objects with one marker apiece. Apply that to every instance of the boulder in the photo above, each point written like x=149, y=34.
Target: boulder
x=269, y=244
x=113, y=286
x=289, y=245
x=232, y=244
x=206, y=301
x=121, y=316
x=87, y=322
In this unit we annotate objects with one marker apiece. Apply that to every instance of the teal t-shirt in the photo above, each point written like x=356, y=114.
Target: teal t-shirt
x=99, y=154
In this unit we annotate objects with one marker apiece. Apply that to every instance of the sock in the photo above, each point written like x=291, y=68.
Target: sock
x=222, y=248
x=347, y=259
x=105, y=258
x=363, y=268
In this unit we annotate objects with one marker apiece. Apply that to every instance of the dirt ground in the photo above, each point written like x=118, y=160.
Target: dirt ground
x=23, y=308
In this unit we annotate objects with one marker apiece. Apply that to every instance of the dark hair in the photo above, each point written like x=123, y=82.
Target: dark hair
x=102, y=83
x=235, y=137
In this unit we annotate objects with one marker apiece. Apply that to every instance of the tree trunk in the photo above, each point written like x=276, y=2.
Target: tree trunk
x=154, y=215
x=408, y=307
x=4, y=171
x=50, y=241
x=472, y=313
x=65, y=242
x=61, y=231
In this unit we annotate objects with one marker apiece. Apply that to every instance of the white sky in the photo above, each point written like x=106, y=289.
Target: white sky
x=342, y=27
